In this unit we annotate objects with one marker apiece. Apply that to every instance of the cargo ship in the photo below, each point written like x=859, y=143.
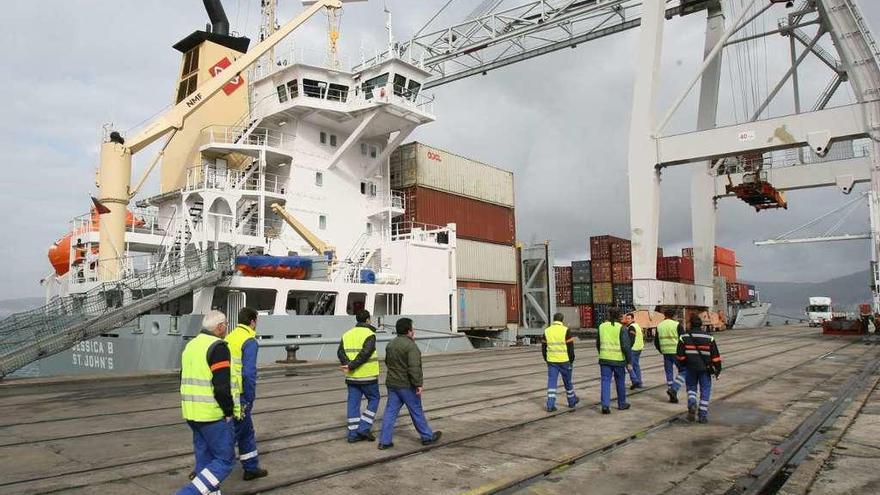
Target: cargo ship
x=287, y=171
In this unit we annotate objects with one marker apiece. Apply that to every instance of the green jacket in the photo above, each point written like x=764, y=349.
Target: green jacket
x=403, y=363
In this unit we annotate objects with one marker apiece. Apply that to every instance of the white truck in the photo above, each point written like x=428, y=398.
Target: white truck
x=819, y=310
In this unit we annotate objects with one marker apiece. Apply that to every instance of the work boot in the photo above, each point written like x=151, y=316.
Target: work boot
x=550, y=409
x=385, y=446
x=633, y=386
x=692, y=413
x=673, y=396
x=574, y=402
x=368, y=436
x=703, y=420
x=356, y=439
x=434, y=439
x=606, y=410
x=257, y=473
x=624, y=407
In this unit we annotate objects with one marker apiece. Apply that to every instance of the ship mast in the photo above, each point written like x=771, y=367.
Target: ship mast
x=268, y=25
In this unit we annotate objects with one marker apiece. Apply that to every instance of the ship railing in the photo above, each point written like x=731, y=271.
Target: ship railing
x=395, y=199
x=64, y=321
x=288, y=54
x=397, y=95
x=204, y=177
x=144, y=221
x=843, y=150
x=417, y=231
x=240, y=135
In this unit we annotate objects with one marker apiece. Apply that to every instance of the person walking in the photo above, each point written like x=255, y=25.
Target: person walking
x=666, y=342
x=360, y=363
x=637, y=337
x=558, y=351
x=403, y=381
x=698, y=352
x=209, y=402
x=614, y=360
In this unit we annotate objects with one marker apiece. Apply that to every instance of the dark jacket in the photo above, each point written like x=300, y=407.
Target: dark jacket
x=403, y=363
x=219, y=360
x=698, y=352
x=569, y=345
x=362, y=357
x=625, y=347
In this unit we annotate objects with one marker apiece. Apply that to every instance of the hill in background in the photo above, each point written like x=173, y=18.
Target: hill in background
x=790, y=298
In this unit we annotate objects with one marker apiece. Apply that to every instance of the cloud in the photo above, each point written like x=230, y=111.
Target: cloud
x=560, y=122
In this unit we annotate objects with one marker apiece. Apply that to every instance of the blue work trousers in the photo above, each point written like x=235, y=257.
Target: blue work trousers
x=703, y=380
x=397, y=397
x=635, y=374
x=214, y=448
x=554, y=370
x=362, y=422
x=670, y=364
x=619, y=375
x=246, y=439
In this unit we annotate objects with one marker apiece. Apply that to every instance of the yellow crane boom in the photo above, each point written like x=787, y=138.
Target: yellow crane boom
x=314, y=241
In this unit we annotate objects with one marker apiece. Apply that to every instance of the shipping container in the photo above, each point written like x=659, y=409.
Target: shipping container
x=586, y=316
x=485, y=262
x=600, y=246
x=725, y=256
x=742, y=292
x=623, y=294
x=511, y=294
x=661, y=269
x=563, y=276
x=753, y=293
x=732, y=292
x=600, y=313
x=601, y=270
x=622, y=273
x=571, y=315
x=621, y=251
x=481, y=309
x=603, y=293
x=582, y=294
x=728, y=272
x=416, y=164
x=678, y=269
x=581, y=272
x=564, y=296
x=475, y=220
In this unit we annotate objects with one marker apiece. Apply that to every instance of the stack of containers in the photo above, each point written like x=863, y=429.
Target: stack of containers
x=724, y=264
x=440, y=188
x=581, y=279
x=677, y=269
x=563, y=285
x=602, y=251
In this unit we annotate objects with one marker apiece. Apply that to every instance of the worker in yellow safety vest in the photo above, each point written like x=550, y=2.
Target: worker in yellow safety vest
x=209, y=403
x=637, y=337
x=614, y=349
x=360, y=363
x=558, y=350
x=244, y=348
x=668, y=332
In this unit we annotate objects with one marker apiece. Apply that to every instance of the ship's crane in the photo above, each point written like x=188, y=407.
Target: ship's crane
x=313, y=241
x=114, y=173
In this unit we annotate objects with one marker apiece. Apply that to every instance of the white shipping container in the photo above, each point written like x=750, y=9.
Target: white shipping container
x=416, y=164
x=481, y=308
x=485, y=262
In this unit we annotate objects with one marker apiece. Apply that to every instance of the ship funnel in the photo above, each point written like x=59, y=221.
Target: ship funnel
x=219, y=22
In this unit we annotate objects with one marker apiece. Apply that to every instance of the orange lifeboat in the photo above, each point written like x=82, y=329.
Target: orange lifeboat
x=59, y=251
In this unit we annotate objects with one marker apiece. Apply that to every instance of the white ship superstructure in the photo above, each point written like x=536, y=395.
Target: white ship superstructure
x=303, y=176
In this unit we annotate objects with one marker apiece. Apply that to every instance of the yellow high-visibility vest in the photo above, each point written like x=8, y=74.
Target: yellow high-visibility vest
x=667, y=332
x=609, y=342
x=236, y=340
x=639, y=342
x=352, y=343
x=557, y=350
x=197, y=401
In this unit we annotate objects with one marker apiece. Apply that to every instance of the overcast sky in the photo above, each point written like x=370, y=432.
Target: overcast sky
x=559, y=122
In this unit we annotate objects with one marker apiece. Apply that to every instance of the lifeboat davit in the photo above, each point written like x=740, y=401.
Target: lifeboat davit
x=294, y=267
x=59, y=251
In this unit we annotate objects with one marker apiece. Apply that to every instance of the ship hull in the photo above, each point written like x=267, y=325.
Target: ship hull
x=752, y=316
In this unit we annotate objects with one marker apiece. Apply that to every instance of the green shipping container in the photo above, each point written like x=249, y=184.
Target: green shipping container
x=582, y=294
x=603, y=293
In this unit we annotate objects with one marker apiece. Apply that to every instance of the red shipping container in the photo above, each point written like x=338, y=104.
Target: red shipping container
x=586, y=314
x=728, y=272
x=732, y=292
x=475, y=220
x=724, y=256
x=679, y=269
x=742, y=291
x=600, y=246
x=622, y=273
x=511, y=294
x=563, y=276
x=621, y=251
x=564, y=296
x=601, y=270
x=661, y=269
x=687, y=269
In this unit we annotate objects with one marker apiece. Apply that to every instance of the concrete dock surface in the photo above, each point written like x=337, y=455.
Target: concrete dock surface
x=794, y=412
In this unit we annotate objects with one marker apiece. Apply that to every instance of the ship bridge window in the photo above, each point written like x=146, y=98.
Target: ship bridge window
x=293, y=88
x=399, y=85
x=387, y=304
x=356, y=302
x=282, y=93
x=319, y=179
x=368, y=189
x=314, y=89
x=332, y=139
x=323, y=137
x=413, y=88
x=322, y=222
x=337, y=92
x=375, y=82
